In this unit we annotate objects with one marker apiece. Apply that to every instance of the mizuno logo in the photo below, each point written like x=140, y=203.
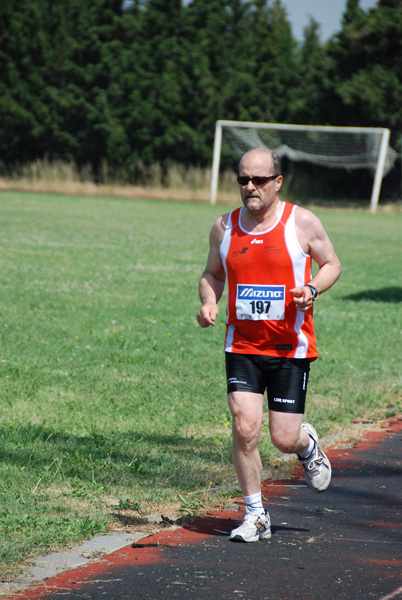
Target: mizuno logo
x=255, y=292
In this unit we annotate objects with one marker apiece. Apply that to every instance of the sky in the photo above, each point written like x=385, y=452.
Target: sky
x=328, y=13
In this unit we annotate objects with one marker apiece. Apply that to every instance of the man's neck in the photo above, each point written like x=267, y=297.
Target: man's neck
x=254, y=221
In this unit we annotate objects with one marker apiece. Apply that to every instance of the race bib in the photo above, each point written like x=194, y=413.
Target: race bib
x=260, y=302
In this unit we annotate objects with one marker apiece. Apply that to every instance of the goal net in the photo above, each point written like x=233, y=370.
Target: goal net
x=336, y=147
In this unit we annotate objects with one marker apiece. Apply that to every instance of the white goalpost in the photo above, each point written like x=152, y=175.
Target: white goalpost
x=329, y=146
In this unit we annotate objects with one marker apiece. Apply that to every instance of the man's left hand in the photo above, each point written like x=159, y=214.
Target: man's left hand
x=302, y=298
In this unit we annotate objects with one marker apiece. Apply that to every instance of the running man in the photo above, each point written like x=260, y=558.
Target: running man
x=264, y=251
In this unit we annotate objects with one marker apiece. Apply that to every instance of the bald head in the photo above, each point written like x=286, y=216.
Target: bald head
x=263, y=157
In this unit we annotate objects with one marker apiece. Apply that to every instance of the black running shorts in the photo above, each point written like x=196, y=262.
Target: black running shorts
x=285, y=379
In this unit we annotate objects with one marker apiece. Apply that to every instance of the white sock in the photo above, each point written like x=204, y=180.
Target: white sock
x=309, y=450
x=254, y=503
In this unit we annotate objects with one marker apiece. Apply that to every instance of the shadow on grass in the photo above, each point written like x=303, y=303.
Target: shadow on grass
x=392, y=294
x=109, y=457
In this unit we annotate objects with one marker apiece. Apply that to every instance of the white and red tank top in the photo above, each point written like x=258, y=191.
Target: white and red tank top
x=261, y=268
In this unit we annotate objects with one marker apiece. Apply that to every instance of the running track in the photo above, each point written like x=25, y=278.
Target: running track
x=343, y=543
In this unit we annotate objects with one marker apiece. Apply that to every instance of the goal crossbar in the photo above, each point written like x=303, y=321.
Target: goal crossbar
x=382, y=156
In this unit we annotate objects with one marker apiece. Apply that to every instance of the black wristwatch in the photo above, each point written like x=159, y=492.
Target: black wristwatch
x=314, y=292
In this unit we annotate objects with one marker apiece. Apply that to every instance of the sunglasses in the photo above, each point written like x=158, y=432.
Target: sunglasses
x=256, y=180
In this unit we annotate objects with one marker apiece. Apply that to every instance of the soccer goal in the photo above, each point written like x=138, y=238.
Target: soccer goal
x=336, y=147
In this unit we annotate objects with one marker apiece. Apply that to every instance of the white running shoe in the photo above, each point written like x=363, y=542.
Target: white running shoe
x=317, y=468
x=254, y=527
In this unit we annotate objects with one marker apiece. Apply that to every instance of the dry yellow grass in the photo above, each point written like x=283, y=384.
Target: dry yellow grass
x=88, y=188
x=180, y=183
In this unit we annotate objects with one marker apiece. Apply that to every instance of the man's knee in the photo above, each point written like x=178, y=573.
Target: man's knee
x=285, y=445
x=247, y=411
x=287, y=440
x=246, y=431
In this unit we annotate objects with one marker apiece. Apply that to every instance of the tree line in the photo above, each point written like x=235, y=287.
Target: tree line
x=143, y=81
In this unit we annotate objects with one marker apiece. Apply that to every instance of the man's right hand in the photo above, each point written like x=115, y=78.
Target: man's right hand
x=207, y=315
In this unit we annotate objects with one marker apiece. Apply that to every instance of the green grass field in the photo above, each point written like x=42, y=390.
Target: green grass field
x=112, y=397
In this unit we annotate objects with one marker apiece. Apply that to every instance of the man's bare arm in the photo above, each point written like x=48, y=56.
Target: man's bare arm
x=315, y=242
x=212, y=280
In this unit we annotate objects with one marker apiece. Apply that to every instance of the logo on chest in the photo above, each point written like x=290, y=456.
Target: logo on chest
x=261, y=291
x=238, y=252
